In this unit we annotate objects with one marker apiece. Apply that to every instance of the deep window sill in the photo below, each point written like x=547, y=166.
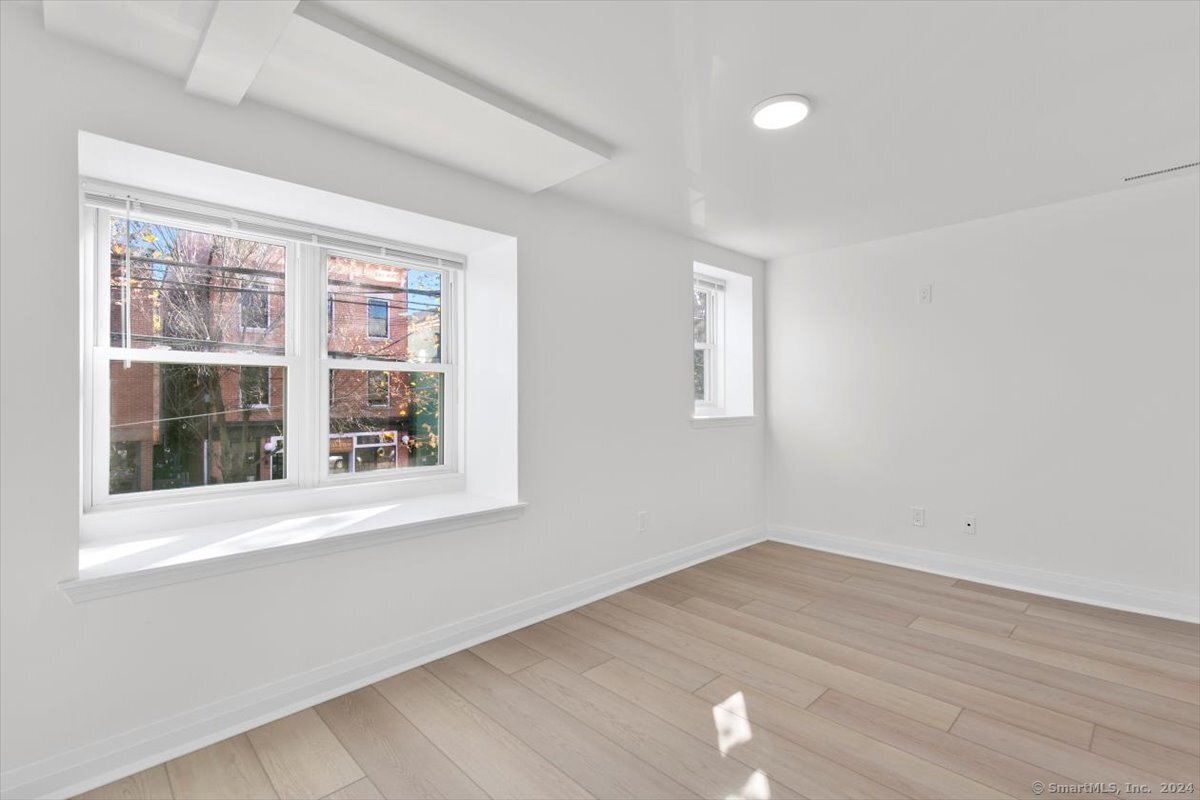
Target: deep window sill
x=109, y=566
x=722, y=421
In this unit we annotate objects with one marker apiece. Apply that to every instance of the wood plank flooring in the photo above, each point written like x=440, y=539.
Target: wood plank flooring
x=772, y=672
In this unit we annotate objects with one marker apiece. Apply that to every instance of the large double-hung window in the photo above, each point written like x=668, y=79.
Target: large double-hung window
x=228, y=352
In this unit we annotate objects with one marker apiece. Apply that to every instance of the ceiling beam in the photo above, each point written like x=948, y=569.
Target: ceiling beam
x=330, y=20
x=238, y=40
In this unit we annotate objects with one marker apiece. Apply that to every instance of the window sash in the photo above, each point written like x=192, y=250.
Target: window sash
x=713, y=343
x=305, y=357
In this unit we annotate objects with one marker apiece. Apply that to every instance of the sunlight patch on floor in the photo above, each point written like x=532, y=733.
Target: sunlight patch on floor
x=731, y=722
x=756, y=787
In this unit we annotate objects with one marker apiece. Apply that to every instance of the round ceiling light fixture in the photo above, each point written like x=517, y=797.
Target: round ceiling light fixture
x=781, y=111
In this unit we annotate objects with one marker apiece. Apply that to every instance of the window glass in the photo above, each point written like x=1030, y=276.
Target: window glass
x=378, y=388
x=384, y=311
x=402, y=431
x=256, y=307
x=255, y=386
x=175, y=426
x=377, y=318
x=698, y=374
x=699, y=315
x=182, y=289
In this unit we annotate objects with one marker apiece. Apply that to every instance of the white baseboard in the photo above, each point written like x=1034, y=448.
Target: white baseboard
x=93, y=765
x=1172, y=605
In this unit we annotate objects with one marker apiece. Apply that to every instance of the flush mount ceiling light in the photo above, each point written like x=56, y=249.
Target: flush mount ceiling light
x=781, y=111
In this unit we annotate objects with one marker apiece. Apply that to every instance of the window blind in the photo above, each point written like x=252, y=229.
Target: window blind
x=116, y=200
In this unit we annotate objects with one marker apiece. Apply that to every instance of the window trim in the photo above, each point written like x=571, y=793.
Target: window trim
x=713, y=401
x=306, y=384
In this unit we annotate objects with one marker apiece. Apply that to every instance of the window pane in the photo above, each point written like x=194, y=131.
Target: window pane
x=179, y=425
x=190, y=290
x=404, y=430
x=700, y=315
x=384, y=311
x=698, y=364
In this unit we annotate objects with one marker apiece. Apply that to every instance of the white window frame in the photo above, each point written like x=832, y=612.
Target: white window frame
x=713, y=347
x=305, y=357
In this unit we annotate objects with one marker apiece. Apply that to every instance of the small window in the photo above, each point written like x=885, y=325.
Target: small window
x=722, y=343
x=378, y=388
x=254, y=385
x=377, y=318
x=707, y=307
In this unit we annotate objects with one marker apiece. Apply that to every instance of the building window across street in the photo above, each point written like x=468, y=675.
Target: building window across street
x=216, y=357
x=377, y=318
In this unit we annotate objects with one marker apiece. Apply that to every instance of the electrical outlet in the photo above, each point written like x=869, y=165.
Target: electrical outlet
x=926, y=293
x=641, y=521
x=918, y=516
x=969, y=526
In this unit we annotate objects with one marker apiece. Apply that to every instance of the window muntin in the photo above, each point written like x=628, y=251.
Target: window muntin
x=179, y=288
x=389, y=312
x=283, y=279
x=707, y=316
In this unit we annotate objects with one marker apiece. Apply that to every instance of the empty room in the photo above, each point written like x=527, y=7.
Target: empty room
x=599, y=399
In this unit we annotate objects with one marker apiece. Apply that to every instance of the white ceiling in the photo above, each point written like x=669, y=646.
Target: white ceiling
x=924, y=113
x=318, y=65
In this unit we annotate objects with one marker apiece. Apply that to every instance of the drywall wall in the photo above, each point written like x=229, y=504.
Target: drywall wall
x=605, y=405
x=1049, y=390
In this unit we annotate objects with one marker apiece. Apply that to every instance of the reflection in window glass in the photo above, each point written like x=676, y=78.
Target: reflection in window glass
x=191, y=290
x=404, y=430
x=384, y=311
x=254, y=384
x=180, y=425
x=377, y=318
x=256, y=307
x=378, y=388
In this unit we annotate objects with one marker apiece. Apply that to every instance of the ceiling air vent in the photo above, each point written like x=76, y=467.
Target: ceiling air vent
x=1166, y=171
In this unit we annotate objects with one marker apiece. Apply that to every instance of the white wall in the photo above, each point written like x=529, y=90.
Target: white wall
x=605, y=403
x=1050, y=390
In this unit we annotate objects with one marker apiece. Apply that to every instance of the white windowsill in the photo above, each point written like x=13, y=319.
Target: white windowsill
x=721, y=421
x=109, y=566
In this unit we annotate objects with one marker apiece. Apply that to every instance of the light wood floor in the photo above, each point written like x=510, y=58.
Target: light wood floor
x=771, y=672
